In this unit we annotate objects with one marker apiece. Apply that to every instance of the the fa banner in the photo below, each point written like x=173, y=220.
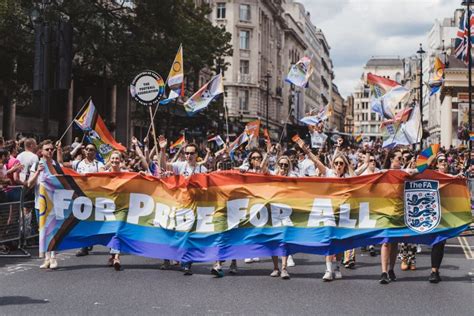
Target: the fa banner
x=422, y=206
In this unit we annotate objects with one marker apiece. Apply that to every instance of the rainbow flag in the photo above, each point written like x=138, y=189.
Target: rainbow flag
x=425, y=158
x=178, y=143
x=229, y=215
x=201, y=99
x=386, y=95
x=471, y=136
x=96, y=131
x=358, y=138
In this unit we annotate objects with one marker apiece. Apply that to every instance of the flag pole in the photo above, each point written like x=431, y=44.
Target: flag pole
x=75, y=117
x=286, y=122
x=153, y=128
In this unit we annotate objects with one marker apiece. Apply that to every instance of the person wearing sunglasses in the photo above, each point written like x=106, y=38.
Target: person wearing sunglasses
x=185, y=168
x=283, y=169
x=36, y=178
x=341, y=168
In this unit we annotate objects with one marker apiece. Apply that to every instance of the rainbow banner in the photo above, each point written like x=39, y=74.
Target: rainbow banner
x=231, y=215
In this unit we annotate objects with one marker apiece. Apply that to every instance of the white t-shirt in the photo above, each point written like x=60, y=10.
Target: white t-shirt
x=318, y=139
x=27, y=159
x=366, y=171
x=331, y=174
x=84, y=167
x=42, y=177
x=184, y=169
x=306, y=168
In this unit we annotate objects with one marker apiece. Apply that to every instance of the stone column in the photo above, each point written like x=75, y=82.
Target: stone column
x=446, y=123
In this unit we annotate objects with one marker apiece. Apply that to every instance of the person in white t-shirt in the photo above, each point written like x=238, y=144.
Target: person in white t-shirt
x=28, y=158
x=87, y=165
x=186, y=168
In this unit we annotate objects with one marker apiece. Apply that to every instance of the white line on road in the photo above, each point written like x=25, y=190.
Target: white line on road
x=466, y=248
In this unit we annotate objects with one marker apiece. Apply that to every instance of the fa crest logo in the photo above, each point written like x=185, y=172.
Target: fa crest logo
x=422, y=206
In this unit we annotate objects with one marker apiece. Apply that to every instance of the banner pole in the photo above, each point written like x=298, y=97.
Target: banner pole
x=75, y=117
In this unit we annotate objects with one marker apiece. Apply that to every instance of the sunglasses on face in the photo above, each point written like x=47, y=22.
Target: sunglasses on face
x=371, y=160
x=441, y=160
x=256, y=158
x=190, y=153
x=90, y=149
x=284, y=165
x=339, y=163
x=48, y=149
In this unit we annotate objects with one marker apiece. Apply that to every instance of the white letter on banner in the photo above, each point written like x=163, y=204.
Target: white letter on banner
x=344, y=217
x=281, y=214
x=82, y=208
x=364, y=216
x=204, y=219
x=61, y=201
x=258, y=215
x=162, y=213
x=184, y=219
x=104, y=209
x=321, y=212
x=140, y=205
x=236, y=210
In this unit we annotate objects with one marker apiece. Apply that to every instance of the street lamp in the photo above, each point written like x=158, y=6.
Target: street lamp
x=267, y=76
x=421, y=52
x=467, y=3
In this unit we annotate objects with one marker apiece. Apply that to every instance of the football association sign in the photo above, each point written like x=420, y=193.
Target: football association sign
x=147, y=88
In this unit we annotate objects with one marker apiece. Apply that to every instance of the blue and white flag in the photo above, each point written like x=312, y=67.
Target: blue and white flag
x=300, y=73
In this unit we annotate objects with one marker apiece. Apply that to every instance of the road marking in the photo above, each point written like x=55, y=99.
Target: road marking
x=466, y=248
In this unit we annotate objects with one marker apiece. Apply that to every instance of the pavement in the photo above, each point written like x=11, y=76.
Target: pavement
x=86, y=285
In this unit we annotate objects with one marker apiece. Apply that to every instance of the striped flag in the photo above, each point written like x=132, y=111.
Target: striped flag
x=175, y=78
x=98, y=134
x=201, y=99
x=216, y=139
x=386, y=94
x=461, y=42
x=471, y=136
x=358, y=138
x=178, y=143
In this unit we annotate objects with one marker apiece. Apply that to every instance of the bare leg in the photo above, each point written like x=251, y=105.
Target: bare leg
x=275, y=263
x=385, y=256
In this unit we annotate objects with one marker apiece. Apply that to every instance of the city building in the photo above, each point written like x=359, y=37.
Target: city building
x=336, y=120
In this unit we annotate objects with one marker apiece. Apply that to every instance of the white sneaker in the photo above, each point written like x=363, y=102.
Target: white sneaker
x=337, y=273
x=45, y=264
x=256, y=259
x=248, y=260
x=327, y=276
x=290, y=262
x=418, y=248
x=54, y=264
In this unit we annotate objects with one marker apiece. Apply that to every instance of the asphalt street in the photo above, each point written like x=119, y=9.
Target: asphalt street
x=86, y=286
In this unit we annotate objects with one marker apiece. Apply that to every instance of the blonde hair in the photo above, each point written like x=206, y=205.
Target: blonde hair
x=348, y=167
x=290, y=164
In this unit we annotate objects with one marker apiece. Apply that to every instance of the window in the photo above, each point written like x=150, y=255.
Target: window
x=244, y=39
x=372, y=117
x=221, y=10
x=244, y=12
x=244, y=100
x=244, y=67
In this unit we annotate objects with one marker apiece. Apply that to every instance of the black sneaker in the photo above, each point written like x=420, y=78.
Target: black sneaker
x=82, y=252
x=187, y=271
x=372, y=251
x=434, y=277
x=392, y=276
x=384, y=278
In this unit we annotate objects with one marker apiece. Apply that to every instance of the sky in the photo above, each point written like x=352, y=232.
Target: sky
x=356, y=30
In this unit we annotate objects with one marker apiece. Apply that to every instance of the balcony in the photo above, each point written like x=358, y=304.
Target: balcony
x=244, y=78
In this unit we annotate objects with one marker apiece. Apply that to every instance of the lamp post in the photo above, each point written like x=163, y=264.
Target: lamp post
x=421, y=52
x=267, y=76
x=467, y=3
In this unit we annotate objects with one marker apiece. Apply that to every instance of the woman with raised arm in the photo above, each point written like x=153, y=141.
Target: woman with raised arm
x=341, y=168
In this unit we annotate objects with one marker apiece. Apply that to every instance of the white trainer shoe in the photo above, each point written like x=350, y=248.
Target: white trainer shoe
x=327, y=276
x=290, y=262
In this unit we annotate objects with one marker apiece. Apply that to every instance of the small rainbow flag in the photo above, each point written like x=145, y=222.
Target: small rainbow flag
x=426, y=156
x=358, y=138
x=178, y=143
x=471, y=136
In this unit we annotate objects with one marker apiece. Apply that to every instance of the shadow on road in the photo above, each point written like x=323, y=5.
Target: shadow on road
x=20, y=300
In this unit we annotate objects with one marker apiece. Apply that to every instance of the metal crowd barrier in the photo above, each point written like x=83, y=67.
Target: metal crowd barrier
x=12, y=226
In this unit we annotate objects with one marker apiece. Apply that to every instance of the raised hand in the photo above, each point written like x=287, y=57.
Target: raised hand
x=162, y=142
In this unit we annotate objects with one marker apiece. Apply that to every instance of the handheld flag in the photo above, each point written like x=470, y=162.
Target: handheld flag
x=471, y=136
x=175, y=79
x=98, y=134
x=425, y=158
x=321, y=116
x=438, y=77
x=216, y=139
x=386, y=94
x=267, y=136
x=204, y=95
x=399, y=132
x=300, y=73
x=358, y=138
x=178, y=143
